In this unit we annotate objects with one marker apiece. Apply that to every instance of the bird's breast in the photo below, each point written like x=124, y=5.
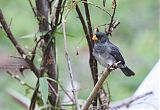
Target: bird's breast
x=104, y=58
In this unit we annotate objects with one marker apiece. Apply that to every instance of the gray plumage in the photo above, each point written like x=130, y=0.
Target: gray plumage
x=107, y=53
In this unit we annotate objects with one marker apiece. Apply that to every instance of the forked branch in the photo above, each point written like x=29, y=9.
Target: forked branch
x=17, y=45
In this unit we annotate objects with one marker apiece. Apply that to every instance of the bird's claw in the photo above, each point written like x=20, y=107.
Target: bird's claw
x=115, y=65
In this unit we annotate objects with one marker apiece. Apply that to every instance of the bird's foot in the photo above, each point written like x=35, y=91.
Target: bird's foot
x=115, y=65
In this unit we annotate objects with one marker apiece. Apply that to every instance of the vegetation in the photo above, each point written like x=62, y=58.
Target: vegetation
x=136, y=36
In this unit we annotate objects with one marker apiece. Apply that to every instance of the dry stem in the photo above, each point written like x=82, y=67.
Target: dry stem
x=69, y=66
x=96, y=88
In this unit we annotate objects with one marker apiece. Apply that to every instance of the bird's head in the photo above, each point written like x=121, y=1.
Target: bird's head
x=100, y=37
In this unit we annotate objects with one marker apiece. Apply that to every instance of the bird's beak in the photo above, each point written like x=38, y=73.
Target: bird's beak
x=94, y=38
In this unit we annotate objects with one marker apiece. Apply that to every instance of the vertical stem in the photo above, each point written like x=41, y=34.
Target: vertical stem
x=92, y=60
x=49, y=53
x=69, y=66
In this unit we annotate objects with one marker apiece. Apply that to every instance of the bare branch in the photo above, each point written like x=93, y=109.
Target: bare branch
x=92, y=61
x=65, y=91
x=54, y=21
x=109, y=94
x=89, y=34
x=69, y=65
x=84, y=26
x=34, y=49
x=88, y=21
x=19, y=80
x=129, y=101
x=96, y=88
x=34, y=97
x=16, y=45
x=33, y=9
x=49, y=53
x=97, y=7
x=114, y=5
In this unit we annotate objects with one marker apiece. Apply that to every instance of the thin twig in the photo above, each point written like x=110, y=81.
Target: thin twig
x=19, y=80
x=88, y=21
x=92, y=60
x=66, y=93
x=108, y=93
x=96, y=88
x=84, y=26
x=52, y=89
x=33, y=9
x=35, y=14
x=16, y=45
x=69, y=65
x=63, y=5
x=114, y=5
x=10, y=23
x=97, y=7
x=56, y=17
x=34, y=97
x=34, y=49
x=128, y=101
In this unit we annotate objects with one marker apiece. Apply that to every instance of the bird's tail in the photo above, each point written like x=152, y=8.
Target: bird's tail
x=128, y=72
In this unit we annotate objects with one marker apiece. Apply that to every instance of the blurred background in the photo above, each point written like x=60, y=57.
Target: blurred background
x=136, y=36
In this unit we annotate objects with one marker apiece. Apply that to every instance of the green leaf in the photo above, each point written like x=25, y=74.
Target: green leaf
x=52, y=80
x=38, y=34
x=43, y=86
x=61, y=33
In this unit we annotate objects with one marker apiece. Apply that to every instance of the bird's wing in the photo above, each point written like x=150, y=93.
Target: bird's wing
x=116, y=54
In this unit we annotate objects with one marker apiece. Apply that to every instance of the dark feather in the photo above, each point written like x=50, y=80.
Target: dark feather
x=116, y=54
x=127, y=71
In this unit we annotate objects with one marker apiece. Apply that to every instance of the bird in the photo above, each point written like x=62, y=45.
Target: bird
x=108, y=54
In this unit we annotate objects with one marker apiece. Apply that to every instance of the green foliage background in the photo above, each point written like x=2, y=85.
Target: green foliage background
x=137, y=37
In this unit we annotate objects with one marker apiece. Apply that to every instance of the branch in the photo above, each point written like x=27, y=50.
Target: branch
x=33, y=9
x=63, y=5
x=129, y=101
x=39, y=18
x=65, y=91
x=49, y=55
x=96, y=88
x=92, y=60
x=19, y=80
x=35, y=48
x=84, y=26
x=34, y=97
x=68, y=95
x=114, y=5
x=97, y=7
x=88, y=41
x=16, y=45
x=54, y=21
x=69, y=65
x=88, y=21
